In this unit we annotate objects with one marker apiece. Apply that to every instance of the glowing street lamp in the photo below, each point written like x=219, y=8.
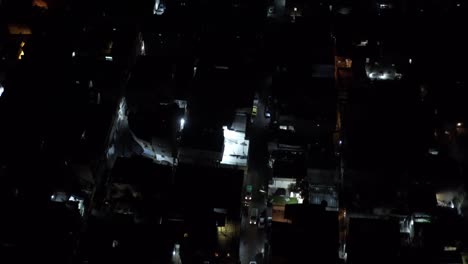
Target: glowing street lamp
x=182, y=123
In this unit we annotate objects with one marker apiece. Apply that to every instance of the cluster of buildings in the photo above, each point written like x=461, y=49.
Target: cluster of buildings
x=127, y=130
x=120, y=132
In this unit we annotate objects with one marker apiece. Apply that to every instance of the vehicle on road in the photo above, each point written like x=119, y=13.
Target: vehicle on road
x=268, y=107
x=261, y=222
x=255, y=108
x=267, y=111
x=248, y=196
x=253, y=216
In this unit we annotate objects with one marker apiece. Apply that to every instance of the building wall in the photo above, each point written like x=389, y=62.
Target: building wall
x=281, y=183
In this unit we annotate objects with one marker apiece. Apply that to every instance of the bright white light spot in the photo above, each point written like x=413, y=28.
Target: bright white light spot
x=73, y=54
x=458, y=4
x=111, y=151
x=383, y=76
x=283, y=127
x=159, y=8
x=156, y=6
x=449, y=248
x=121, y=112
x=182, y=123
x=459, y=124
x=109, y=58
x=142, y=47
x=236, y=147
x=173, y=253
x=363, y=43
x=410, y=61
x=52, y=197
x=295, y=9
x=1, y=90
x=340, y=142
x=114, y=29
x=433, y=152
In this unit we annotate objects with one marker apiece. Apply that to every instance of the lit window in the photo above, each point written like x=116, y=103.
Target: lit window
x=73, y=54
x=108, y=58
x=283, y=127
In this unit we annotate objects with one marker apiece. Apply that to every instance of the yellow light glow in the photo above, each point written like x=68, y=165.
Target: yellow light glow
x=20, y=56
x=22, y=44
x=40, y=3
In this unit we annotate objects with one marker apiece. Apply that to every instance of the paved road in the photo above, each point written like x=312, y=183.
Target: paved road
x=253, y=238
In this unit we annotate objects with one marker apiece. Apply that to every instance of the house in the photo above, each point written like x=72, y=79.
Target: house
x=236, y=146
x=311, y=233
x=315, y=112
x=211, y=196
x=153, y=101
x=371, y=238
x=201, y=144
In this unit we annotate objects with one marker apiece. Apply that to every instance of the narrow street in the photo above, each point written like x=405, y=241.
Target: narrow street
x=252, y=238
